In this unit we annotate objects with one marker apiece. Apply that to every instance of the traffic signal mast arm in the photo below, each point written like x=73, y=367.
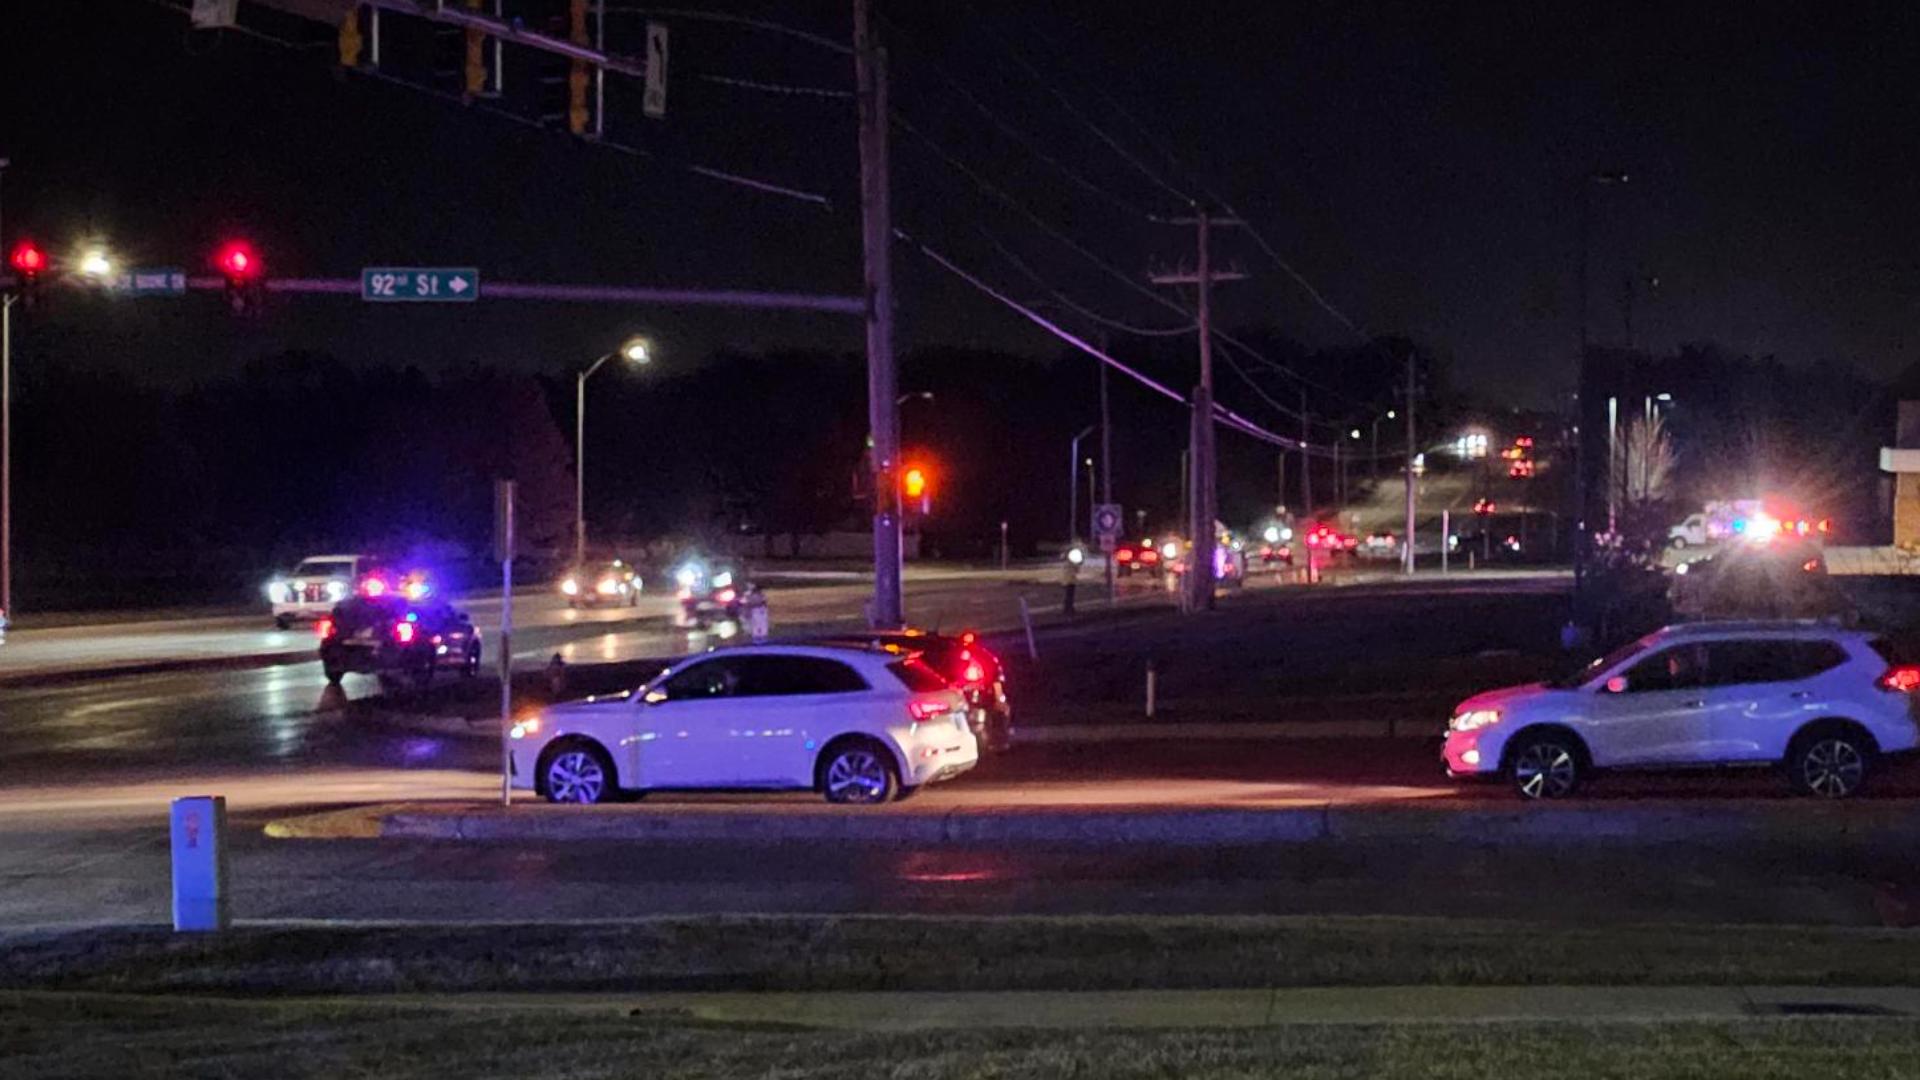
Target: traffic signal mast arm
x=512, y=33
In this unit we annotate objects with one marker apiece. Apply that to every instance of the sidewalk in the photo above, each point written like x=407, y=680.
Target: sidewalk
x=1225, y=1008
x=1375, y=816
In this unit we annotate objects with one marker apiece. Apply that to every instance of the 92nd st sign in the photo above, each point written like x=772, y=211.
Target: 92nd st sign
x=419, y=284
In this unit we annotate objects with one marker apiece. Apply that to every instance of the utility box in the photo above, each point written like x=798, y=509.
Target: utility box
x=199, y=834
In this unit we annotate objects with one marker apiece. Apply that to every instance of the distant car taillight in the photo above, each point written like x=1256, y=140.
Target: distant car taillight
x=323, y=629
x=925, y=709
x=1901, y=678
x=403, y=632
x=1123, y=555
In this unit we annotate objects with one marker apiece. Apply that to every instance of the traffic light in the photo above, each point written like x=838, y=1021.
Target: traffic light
x=915, y=486
x=29, y=261
x=241, y=268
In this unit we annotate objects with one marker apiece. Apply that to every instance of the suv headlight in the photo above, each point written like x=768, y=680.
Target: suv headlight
x=1474, y=718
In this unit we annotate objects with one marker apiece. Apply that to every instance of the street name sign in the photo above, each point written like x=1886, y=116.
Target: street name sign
x=419, y=284
x=153, y=281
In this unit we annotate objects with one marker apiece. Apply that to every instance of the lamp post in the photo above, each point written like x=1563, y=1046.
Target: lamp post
x=635, y=350
x=1073, y=484
x=1596, y=178
x=1373, y=467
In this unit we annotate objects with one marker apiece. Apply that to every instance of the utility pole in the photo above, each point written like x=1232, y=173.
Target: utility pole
x=1106, y=462
x=876, y=233
x=1204, y=509
x=1407, y=547
x=6, y=437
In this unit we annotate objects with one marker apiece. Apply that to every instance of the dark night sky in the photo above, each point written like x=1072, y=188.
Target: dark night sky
x=1420, y=163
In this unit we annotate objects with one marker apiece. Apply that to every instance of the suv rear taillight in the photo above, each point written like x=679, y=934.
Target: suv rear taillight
x=323, y=629
x=403, y=632
x=1901, y=678
x=925, y=709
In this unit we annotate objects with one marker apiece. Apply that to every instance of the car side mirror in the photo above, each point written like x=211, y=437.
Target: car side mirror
x=1616, y=685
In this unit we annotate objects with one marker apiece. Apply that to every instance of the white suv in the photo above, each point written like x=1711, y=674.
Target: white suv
x=1822, y=701
x=857, y=725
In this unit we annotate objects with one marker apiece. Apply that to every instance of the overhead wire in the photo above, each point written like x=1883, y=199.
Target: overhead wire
x=1026, y=142
x=1222, y=415
x=1260, y=239
x=979, y=20
x=1079, y=309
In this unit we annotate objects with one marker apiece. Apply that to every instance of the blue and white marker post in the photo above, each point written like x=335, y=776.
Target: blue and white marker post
x=199, y=831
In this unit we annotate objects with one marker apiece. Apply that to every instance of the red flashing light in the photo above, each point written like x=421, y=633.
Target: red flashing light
x=323, y=629
x=974, y=672
x=403, y=632
x=374, y=586
x=725, y=596
x=1901, y=678
x=969, y=638
x=237, y=261
x=28, y=259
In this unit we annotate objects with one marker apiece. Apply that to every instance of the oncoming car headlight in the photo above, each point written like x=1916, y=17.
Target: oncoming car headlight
x=1474, y=718
x=607, y=587
x=570, y=587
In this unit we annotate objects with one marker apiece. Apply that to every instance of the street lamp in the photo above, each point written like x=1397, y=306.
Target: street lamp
x=1073, y=484
x=95, y=263
x=635, y=350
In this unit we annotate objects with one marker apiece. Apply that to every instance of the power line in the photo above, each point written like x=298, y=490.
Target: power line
x=1067, y=302
x=764, y=25
x=1000, y=195
x=777, y=88
x=1027, y=142
x=1260, y=240
x=1222, y=415
x=979, y=20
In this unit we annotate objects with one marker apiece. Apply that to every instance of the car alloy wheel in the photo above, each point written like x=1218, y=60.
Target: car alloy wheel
x=857, y=775
x=575, y=776
x=1832, y=768
x=1545, y=770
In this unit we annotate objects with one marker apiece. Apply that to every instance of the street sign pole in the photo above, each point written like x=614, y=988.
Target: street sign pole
x=503, y=540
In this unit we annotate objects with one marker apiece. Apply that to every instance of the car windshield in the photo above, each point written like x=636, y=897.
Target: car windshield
x=1580, y=676
x=324, y=568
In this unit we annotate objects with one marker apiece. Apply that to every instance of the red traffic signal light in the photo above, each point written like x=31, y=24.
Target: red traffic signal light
x=237, y=261
x=28, y=259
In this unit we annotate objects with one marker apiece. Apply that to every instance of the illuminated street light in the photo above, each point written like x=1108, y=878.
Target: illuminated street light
x=635, y=350
x=95, y=264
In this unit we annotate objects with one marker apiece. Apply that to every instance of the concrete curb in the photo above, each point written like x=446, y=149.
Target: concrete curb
x=244, y=662
x=1238, y=1008
x=1720, y=825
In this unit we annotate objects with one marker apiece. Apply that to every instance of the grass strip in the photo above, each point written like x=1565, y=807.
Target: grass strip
x=951, y=953
x=55, y=1037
